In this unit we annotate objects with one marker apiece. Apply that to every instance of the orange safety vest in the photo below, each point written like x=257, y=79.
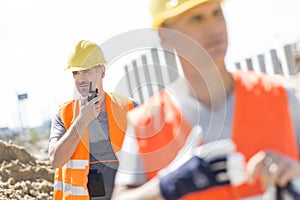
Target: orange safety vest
x=70, y=181
x=261, y=121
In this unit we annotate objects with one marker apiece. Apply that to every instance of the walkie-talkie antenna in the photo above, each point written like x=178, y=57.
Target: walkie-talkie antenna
x=92, y=94
x=90, y=89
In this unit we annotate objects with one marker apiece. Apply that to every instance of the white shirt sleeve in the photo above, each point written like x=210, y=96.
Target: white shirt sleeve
x=131, y=170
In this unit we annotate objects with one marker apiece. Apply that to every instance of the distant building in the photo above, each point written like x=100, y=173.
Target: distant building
x=296, y=51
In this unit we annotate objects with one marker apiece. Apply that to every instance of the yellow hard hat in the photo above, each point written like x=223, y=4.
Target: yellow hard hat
x=86, y=55
x=162, y=10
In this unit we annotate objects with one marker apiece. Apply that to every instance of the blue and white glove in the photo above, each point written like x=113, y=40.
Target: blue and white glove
x=195, y=175
x=211, y=165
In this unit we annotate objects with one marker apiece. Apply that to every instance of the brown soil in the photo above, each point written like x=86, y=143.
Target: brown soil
x=22, y=176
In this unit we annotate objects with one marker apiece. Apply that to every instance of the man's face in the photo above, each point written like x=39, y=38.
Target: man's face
x=82, y=79
x=206, y=25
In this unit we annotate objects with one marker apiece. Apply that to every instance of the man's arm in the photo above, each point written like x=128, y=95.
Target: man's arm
x=62, y=148
x=147, y=191
x=194, y=175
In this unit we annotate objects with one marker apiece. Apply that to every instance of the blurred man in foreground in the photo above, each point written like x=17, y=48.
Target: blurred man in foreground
x=255, y=110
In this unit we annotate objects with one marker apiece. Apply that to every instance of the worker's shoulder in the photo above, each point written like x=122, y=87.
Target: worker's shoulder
x=253, y=80
x=122, y=99
x=66, y=104
x=269, y=84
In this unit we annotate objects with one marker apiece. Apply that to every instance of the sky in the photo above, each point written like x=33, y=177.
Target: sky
x=38, y=36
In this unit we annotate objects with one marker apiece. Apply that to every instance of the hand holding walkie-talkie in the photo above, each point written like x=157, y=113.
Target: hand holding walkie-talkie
x=92, y=93
x=91, y=105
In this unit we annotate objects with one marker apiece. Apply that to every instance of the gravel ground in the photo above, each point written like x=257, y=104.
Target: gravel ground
x=24, y=176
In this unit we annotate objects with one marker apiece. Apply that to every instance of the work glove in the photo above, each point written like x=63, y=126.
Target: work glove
x=210, y=165
x=195, y=175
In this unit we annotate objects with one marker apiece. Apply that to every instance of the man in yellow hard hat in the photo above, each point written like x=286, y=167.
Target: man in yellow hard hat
x=87, y=133
x=256, y=111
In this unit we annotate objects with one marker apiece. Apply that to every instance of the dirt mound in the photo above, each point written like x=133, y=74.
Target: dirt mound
x=22, y=176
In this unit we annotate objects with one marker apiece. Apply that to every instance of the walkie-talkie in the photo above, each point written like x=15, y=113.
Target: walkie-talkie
x=92, y=94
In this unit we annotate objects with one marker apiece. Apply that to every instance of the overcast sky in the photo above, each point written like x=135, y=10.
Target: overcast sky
x=37, y=37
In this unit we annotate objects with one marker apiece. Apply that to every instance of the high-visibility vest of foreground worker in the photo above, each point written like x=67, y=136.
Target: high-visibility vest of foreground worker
x=161, y=130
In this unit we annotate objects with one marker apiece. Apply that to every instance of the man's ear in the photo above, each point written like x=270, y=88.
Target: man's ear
x=103, y=72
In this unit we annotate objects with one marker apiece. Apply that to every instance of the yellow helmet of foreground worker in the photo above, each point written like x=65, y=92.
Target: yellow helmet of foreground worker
x=86, y=55
x=164, y=9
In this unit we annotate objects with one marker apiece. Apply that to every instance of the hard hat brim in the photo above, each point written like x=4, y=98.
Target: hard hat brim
x=80, y=68
x=177, y=11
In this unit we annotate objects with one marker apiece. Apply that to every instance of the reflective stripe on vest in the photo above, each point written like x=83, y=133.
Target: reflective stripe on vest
x=68, y=188
x=76, y=164
x=71, y=179
x=261, y=112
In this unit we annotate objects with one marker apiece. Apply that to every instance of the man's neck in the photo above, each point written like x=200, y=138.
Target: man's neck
x=103, y=99
x=212, y=87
